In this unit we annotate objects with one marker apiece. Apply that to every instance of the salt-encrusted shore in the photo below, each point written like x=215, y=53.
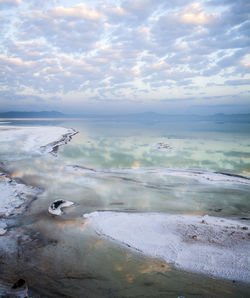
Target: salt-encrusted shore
x=42, y=139
x=199, y=175
x=214, y=246
x=15, y=196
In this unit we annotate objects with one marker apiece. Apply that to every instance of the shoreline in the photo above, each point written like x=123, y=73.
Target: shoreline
x=54, y=146
x=217, y=247
x=16, y=195
x=38, y=139
x=194, y=245
x=199, y=175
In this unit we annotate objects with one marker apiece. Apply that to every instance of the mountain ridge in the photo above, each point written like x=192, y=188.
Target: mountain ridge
x=134, y=116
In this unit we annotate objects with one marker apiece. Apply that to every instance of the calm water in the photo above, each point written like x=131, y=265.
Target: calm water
x=65, y=258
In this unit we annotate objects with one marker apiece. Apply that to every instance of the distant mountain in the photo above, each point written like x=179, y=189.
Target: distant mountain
x=232, y=117
x=147, y=116
x=42, y=114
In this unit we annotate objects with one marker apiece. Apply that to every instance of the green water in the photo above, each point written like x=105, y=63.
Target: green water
x=67, y=259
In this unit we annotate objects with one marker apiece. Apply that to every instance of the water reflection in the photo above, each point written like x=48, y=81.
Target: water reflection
x=63, y=257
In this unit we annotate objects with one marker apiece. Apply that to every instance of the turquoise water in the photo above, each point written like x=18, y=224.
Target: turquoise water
x=68, y=259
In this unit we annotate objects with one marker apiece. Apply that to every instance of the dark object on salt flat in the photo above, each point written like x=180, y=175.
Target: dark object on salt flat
x=20, y=283
x=18, y=290
x=56, y=206
x=218, y=210
x=162, y=145
x=215, y=210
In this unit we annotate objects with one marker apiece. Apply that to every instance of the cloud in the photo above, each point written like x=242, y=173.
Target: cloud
x=14, y=62
x=115, y=13
x=245, y=61
x=75, y=29
x=7, y=4
x=239, y=82
x=79, y=11
x=194, y=15
x=11, y=2
x=124, y=50
x=10, y=96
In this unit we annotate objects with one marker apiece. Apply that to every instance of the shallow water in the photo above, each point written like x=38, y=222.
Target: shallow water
x=63, y=257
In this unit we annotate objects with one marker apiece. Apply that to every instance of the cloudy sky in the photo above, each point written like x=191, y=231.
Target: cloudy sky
x=117, y=56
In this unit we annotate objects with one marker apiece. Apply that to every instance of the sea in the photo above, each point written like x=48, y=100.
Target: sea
x=122, y=165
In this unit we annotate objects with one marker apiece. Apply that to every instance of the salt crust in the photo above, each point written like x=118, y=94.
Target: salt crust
x=13, y=196
x=214, y=246
x=203, y=176
x=16, y=195
x=37, y=139
x=198, y=175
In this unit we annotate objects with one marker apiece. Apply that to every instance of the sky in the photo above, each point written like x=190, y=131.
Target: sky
x=125, y=56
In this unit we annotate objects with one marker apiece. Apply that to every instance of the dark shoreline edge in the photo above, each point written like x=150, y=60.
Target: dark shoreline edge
x=54, y=146
x=233, y=175
x=167, y=171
